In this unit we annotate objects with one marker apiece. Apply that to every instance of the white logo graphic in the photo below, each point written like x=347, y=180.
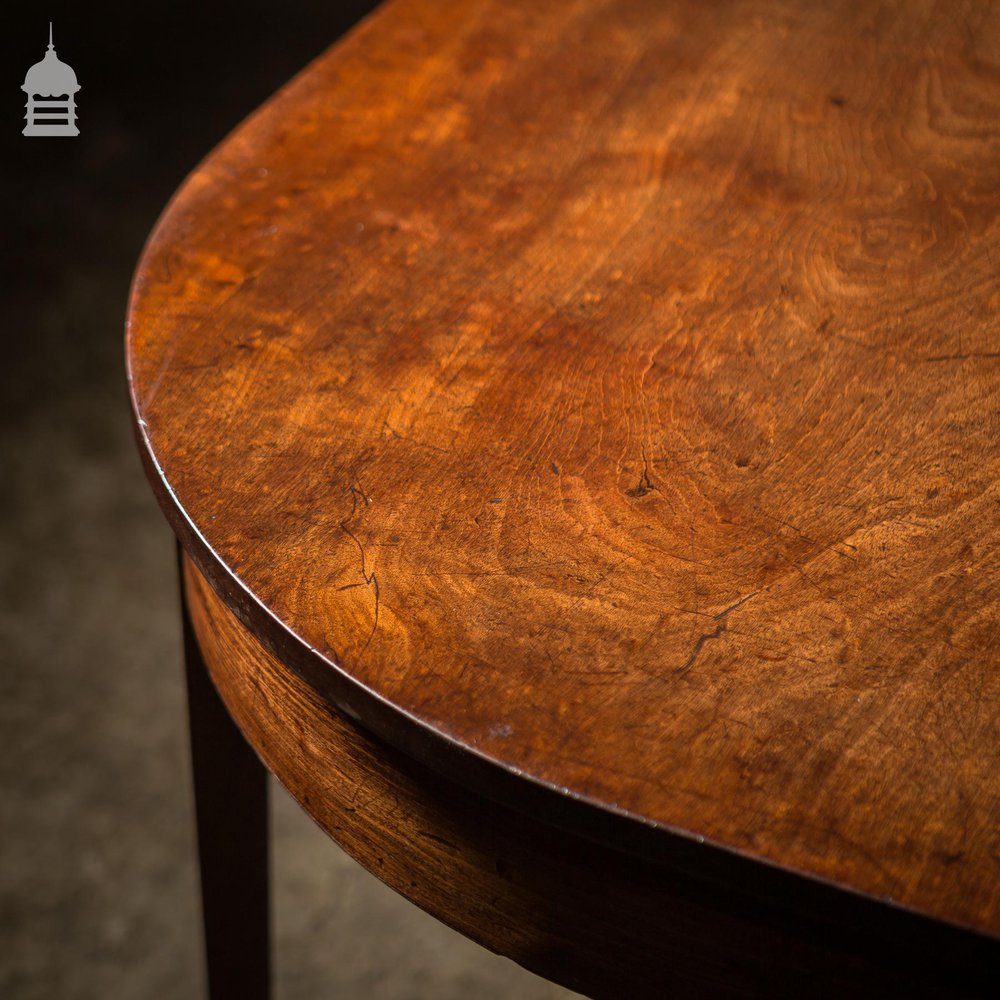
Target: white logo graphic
x=51, y=88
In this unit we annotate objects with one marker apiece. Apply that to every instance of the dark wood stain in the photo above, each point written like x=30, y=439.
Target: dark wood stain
x=599, y=402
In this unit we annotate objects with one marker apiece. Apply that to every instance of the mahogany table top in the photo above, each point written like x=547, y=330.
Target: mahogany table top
x=604, y=398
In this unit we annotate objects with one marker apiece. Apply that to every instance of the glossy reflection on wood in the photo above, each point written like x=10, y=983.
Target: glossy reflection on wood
x=587, y=916
x=600, y=402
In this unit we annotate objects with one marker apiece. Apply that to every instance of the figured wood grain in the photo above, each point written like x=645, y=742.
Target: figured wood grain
x=588, y=916
x=602, y=398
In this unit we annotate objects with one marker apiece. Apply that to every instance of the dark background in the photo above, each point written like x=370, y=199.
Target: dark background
x=98, y=889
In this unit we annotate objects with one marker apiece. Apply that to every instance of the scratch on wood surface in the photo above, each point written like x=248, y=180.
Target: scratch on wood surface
x=370, y=579
x=719, y=629
x=699, y=642
x=966, y=356
x=646, y=484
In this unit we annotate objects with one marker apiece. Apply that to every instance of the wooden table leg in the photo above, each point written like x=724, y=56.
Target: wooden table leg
x=230, y=788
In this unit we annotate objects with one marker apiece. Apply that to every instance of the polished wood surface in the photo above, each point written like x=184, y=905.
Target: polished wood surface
x=588, y=916
x=599, y=401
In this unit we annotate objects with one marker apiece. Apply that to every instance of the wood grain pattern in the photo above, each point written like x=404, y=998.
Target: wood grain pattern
x=600, y=401
x=588, y=916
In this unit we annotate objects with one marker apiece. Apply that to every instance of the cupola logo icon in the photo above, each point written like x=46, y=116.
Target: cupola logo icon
x=51, y=88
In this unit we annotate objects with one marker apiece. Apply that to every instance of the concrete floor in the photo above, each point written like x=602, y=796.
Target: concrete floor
x=98, y=891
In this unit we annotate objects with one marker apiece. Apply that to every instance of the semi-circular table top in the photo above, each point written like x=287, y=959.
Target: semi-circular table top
x=601, y=401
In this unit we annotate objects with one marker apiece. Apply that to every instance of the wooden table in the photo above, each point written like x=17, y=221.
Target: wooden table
x=581, y=422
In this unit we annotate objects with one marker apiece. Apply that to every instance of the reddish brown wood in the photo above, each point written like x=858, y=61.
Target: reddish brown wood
x=586, y=915
x=600, y=402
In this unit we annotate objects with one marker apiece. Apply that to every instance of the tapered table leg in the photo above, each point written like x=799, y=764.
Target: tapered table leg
x=230, y=787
